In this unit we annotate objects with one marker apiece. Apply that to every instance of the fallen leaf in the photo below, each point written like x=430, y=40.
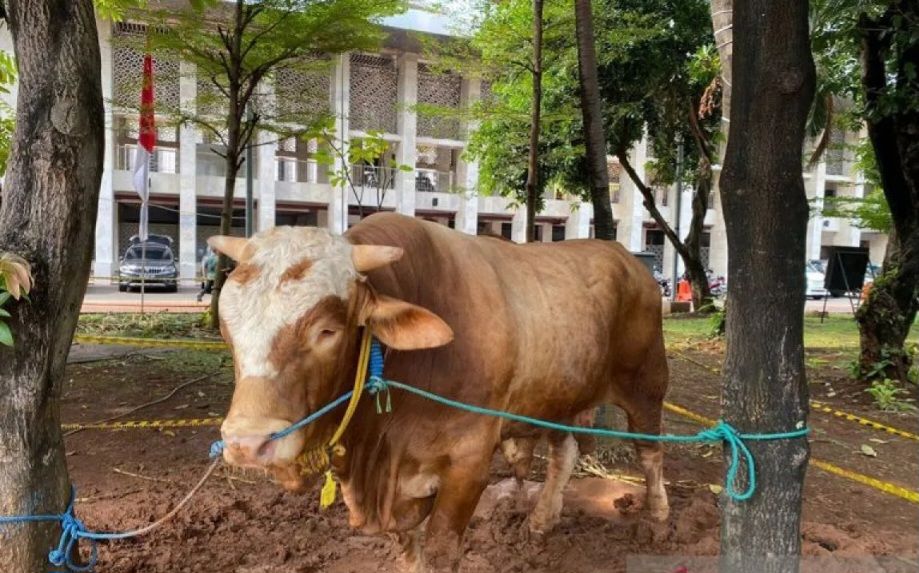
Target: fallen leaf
x=715, y=488
x=169, y=433
x=878, y=441
x=181, y=406
x=869, y=451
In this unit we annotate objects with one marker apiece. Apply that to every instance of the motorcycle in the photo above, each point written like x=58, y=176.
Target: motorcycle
x=664, y=284
x=718, y=286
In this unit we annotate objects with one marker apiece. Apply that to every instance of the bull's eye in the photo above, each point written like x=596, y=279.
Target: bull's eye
x=327, y=333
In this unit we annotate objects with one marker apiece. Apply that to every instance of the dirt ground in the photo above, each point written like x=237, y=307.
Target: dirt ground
x=242, y=523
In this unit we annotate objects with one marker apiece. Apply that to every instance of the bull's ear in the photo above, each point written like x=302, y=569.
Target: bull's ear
x=233, y=247
x=404, y=326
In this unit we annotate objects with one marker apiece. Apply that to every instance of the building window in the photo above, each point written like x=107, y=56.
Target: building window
x=441, y=90
x=507, y=230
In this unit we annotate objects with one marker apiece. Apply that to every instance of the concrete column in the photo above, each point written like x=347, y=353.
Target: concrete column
x=467, y=172
x=105, y=245
x=188, y=174
x=578, y=224
x=267, y=169
x=519, y=225
x=815, y=191
x=406, y=126
x=718, y=252
x=853, y=233
x=341, y=100
x=685, y=217
x=630, y=231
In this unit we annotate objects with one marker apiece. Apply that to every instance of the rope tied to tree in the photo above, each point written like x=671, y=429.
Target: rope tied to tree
x=370, y=376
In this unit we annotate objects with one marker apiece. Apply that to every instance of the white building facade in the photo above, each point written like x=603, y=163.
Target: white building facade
x=374, y=92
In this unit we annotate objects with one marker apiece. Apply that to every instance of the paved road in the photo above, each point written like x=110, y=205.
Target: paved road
x=103, y=298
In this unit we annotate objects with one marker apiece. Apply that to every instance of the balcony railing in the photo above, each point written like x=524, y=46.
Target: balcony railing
x=297, y=170
x=433, y=181
x=164, y=160
x=373, y=177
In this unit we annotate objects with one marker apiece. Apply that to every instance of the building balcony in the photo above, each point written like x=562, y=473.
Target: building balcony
x=433, y=181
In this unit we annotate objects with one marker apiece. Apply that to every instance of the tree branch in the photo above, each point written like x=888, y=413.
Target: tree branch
x=650, y=204
x=882, y=125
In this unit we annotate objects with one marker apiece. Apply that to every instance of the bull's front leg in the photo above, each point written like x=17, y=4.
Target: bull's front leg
x=459, y=493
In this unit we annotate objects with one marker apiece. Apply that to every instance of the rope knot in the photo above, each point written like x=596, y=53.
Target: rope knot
x=72, y=530
x=216, y=449
x=377, y=385
x=740, y=455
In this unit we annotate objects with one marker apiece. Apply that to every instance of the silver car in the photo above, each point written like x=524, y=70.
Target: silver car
x=151, y=263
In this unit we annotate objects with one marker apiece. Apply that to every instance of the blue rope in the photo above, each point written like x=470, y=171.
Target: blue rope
x=73, y=530
x=720, y=432
x=217, y=447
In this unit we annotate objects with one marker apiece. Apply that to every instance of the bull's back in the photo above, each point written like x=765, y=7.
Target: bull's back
x=542, y=327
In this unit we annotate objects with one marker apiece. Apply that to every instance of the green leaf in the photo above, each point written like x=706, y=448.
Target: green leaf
x=6, y=337
x=4, y=296
x=4, y=314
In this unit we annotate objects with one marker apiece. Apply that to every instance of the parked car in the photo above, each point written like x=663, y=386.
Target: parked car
x=815, y=281
x=151, y=262
x=871, y=272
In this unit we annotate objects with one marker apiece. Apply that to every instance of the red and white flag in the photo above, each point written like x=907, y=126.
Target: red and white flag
x=145, y=142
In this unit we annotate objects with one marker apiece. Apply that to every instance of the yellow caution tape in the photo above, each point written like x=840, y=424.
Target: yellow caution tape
x=820, y=406
x=880, y=485
x=863, y=421
x=877, y=484
x=146, y=424
x=152, y=342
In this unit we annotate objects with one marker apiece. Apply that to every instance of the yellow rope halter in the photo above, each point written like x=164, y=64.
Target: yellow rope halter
x=317, y=459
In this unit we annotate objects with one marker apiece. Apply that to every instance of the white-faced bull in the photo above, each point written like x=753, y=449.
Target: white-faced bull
x=548, y=331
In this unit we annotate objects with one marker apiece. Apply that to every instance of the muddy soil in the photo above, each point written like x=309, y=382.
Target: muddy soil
x=242, y=523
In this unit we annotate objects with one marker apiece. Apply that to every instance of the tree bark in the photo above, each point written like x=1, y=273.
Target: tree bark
x=722, y=24
x=48, y=217
x=689, y=250
x=532, y=184
x=886, y=317
x=591, y=111
x=766, y=212
x=235, y=110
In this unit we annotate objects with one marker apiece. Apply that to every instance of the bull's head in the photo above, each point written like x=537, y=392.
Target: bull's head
x=291, y=312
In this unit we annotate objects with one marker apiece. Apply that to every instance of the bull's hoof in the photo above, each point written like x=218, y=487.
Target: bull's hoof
x=658, y=509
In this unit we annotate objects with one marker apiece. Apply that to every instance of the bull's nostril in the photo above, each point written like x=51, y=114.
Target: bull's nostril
x=249, y=449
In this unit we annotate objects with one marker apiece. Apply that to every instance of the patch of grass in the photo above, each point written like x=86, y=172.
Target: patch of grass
x=150, y=325
x=836, y=331
x=187, y=361
x=685, y=329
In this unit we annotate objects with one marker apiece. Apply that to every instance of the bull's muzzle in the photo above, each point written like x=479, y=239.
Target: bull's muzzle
x=248, y=443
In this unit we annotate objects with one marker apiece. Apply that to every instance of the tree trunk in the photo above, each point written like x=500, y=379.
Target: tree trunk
x=722, y=18
x=591, y=111
x=766, y=212
x=226, y=228
x=688, y=251
x=885, y=320
x=532, y=185
x=48, y=217
x=701, y=289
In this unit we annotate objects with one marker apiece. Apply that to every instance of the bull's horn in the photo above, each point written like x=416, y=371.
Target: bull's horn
x=369, y=257
x=233, y=247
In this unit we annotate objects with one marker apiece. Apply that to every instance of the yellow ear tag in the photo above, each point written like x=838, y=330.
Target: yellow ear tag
x=327, y=497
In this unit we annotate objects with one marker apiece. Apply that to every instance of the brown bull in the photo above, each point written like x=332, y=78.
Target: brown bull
x=548, y=331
